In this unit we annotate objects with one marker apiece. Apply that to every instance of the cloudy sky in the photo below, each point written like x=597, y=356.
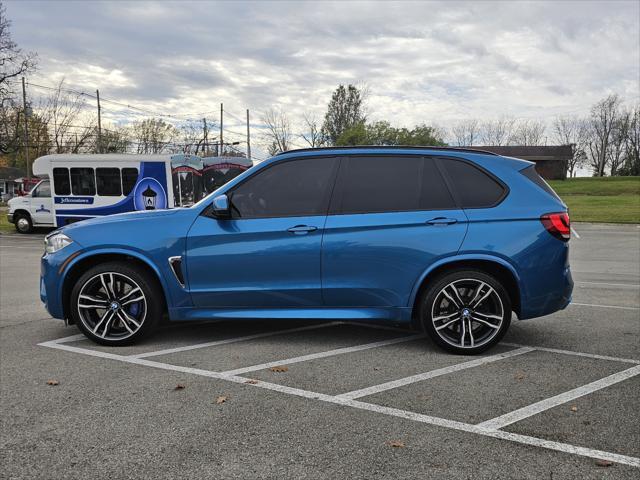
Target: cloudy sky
x=432, y=62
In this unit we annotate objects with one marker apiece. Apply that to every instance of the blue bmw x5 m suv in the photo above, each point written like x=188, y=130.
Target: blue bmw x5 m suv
x=451, y=241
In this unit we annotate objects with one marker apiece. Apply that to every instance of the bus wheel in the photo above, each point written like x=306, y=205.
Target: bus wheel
x=23, y=223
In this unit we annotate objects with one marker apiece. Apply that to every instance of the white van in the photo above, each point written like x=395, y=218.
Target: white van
x=79, y=186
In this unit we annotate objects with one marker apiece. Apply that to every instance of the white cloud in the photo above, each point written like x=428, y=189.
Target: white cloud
x=434, y=62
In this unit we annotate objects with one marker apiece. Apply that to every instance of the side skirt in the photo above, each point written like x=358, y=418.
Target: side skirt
x=383, y=314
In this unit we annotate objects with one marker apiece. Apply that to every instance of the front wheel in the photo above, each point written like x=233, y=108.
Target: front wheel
x=116, y=304
x=466, y=311
x=23, y=223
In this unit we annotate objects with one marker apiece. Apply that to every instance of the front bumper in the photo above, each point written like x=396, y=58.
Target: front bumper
x=53, y=267
x=10, y=217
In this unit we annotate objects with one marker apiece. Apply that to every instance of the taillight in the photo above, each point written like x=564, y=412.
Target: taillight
x=558, y=225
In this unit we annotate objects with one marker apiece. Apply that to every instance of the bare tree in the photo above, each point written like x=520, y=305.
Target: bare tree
x=114, y=139
x=618, y=143
x=70, y=130
x=604, y=116
x=192, y=137
x=313, y=134
x=466, y=133
x=572, y=130
x=528, y=132
x=277, y=133
x=153, y=135
x=632, y=154
x=496, y=132
x=13, y=61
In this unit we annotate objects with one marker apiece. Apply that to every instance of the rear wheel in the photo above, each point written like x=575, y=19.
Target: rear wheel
x=23, y=223
x=466, y=311
x=116, y=304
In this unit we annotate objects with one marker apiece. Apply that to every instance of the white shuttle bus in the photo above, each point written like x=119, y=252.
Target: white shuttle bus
x=76, y=187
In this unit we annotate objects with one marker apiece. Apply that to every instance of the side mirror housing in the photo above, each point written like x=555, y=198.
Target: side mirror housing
x=220, y=206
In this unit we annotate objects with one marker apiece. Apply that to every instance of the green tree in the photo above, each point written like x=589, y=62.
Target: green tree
x=382, y=133
x=345, y=110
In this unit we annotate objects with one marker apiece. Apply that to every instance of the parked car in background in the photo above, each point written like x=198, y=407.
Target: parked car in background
x=449, y=240
x=79, y=187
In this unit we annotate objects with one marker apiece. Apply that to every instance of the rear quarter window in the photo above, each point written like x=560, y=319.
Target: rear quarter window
x=532, y=174
x=474, y=187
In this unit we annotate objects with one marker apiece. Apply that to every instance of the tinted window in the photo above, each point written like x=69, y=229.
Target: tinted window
x=391, y=184
x=108, y=182
x=83, y=181
x=435, y=194
x=531, y=174
x=61, y=183
x=474, y=187
x=129, y=179
x=294, y=188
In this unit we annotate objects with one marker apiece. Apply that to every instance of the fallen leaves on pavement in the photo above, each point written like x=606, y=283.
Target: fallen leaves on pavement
x=221, y=399
x=396, y=444
x=520, y=375
x=251, y=381
x=53, y=382
x=179, y=387
x=279, y=368
x=574, y=408
x=604, y=463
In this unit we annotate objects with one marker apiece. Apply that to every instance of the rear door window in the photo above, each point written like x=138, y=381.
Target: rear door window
x=474, y=187
x=380, y=184
x=83, y=181
x=61, y=182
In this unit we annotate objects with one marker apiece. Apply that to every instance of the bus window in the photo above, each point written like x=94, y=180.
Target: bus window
x=83, y=181
x=129, y=179
x=61, y=183
x=108, y=182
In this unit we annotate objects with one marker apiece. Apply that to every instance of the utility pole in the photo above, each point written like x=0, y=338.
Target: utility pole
x=248, y=138
x=221, y=146
x=99, y=124
x=206, y=137
x=26, y=133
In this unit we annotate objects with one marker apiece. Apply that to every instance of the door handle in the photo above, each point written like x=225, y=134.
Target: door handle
x=442, y=221
x=302, y=229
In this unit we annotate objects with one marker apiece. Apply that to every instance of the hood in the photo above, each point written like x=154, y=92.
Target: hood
x=124, y=217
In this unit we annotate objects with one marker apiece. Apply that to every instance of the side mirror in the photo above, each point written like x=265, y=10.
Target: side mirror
x=221, y=207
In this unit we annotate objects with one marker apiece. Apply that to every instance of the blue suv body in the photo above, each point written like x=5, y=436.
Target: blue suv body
x=451, y=240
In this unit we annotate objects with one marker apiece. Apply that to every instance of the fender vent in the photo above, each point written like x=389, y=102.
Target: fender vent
x=176, y=267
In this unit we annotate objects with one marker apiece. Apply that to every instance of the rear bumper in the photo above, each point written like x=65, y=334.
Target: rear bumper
x=555, y=300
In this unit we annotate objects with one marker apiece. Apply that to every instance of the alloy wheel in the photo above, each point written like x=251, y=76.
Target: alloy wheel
x=112, y=306
x=467, y=313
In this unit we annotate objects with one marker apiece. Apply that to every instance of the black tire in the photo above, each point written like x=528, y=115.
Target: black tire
x=23, y=223
x=489, y=332
x=150, y=309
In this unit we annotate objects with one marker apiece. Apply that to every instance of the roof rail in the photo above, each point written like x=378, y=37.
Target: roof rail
x=391, y=147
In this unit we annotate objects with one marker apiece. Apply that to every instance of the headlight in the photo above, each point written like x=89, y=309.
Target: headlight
x=56, y=242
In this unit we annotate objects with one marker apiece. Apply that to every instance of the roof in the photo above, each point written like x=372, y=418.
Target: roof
x=532, y=152
x=11, y=173
x=391, y=147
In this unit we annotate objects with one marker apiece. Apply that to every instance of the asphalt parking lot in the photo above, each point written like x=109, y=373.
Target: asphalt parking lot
x=559, y=398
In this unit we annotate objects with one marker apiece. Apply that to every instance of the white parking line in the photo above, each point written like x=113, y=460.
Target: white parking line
x=604, y=306
x=535, y=408
x=575, y=233
x=623, y=285
x=432, y=374
x=329, y=353
x=233, y=340
x=416, y=417
x=577, y=354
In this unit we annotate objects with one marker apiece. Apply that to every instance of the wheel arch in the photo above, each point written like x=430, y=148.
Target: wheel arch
x=21, y=211
x=495, y=266
x=84, y=262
